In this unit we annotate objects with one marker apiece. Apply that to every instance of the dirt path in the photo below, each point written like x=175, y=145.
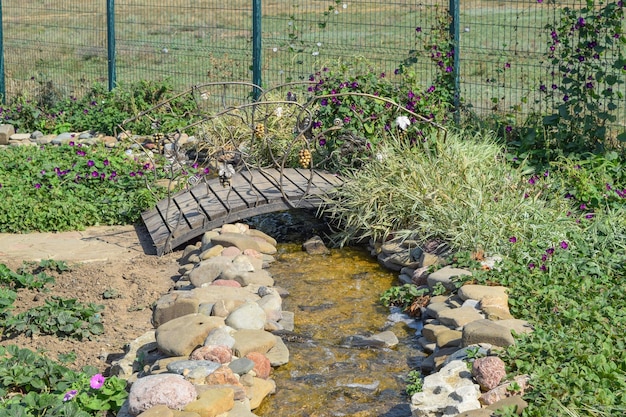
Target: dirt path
x=110, y=267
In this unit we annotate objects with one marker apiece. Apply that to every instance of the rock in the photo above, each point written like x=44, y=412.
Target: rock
x=6, y=131
x=479, y=412
x=503, y=391
x=179, y=337
x=449, y=338
x=496, y=308
x=220, y=354
x=222, y=336
x=459, y=317
x=279, y=354
x=445, y=275
x=231, y=251
x=212, y=252
x=243, y=263
x=262, y=366
x=173, y=305
x=212, y=402
x=259, y=234
x=223, y=376
x=238, y=240
x=260, y=389
x=433, y=309
x=157, y=411
x=241, y=409
x=169, y=390
x=486, y=331
x=241, y=366
x=226, y=283
x=223, y=308
x=488, y=372
x=184, y=367
x=516, y=325
x=247, y=341
x=272, y=305
x=384, y=339
x=450, y=391
x=431, y=330
x=212, y=294
x=514, y=401
x=315, y=246
x=247, y=316
x=208, y=270
x=478, y=292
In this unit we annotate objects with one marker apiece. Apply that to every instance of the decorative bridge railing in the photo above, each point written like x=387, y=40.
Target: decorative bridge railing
x=237, y=160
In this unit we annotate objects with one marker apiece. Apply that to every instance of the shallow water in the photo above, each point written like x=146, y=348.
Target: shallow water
x=335, y=296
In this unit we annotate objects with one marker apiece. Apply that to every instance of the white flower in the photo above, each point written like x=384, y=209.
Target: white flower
x=403, y=122
x=380, y=157
x=315, y=53
x=345, y=6
x=278, y=112
x=319, y=44
x=274, y=49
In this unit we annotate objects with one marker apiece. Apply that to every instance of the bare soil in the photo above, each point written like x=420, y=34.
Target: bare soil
x=127, y=288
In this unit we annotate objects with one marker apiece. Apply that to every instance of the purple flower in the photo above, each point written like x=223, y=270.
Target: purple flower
x=80, y=153
x=550, y=251
x=543, y=88
x=37, y=186
x=589, y=216
x=106, y=162
x=449, y=69
x=532, y=180
x=539, y=1
x=430, y=89
x=90, y=163
x=513, y=239
x=507, y=65
x=544, y=258
x=95, y=174
x=69, y=395
x=96, y=381
x=132, y=174
x=543, y=268
x=418, y=29
x=531, y=266
x=508, y=129
x=316, y=125
x=565, y=97
x=526, y=195
x=322, y=142
x=583, y=206
x=564, y=245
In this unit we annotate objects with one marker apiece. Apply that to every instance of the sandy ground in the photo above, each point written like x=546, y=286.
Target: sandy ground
x=110, y=266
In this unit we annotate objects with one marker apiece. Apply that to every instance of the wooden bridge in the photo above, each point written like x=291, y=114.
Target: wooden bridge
x=210, y=204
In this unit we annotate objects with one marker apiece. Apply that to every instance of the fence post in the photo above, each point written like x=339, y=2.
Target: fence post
x=111, y=43
x=454, y=38
x=2, y=84
x=256, y=47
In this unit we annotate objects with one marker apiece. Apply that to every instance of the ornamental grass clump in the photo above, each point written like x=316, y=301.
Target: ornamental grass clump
x=461, y=191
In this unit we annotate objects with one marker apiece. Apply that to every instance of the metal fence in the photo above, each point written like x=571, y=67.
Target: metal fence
x=71, y=44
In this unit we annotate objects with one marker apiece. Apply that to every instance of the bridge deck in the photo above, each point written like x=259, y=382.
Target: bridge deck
x=208, y=205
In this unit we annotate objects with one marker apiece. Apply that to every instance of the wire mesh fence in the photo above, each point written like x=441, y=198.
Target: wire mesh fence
x=63, y=43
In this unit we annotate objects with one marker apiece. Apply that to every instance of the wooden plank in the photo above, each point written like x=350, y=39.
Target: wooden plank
x=188, y=214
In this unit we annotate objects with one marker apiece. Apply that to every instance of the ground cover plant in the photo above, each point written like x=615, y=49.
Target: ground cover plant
x=32, y=384
x=70, y=187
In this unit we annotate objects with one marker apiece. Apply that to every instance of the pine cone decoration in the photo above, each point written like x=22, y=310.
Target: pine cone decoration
x=304, y=157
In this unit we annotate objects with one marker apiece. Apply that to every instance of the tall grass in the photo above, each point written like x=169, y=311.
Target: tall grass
x=462, y=192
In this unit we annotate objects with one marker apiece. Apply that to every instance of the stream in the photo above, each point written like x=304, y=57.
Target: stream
x=335, y=296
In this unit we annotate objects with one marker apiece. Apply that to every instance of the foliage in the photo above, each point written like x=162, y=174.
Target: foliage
x=98, y=109
x=401, y=296
x=414, y=382
x=586, y=50
x=22, y=279
x=60, y=317
x=32, y=385
x=462, y=192
x=70, y=187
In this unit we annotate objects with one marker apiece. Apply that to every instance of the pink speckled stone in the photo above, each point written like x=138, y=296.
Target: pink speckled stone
x=488, y=372
x=226, y=283
x=262, y=366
